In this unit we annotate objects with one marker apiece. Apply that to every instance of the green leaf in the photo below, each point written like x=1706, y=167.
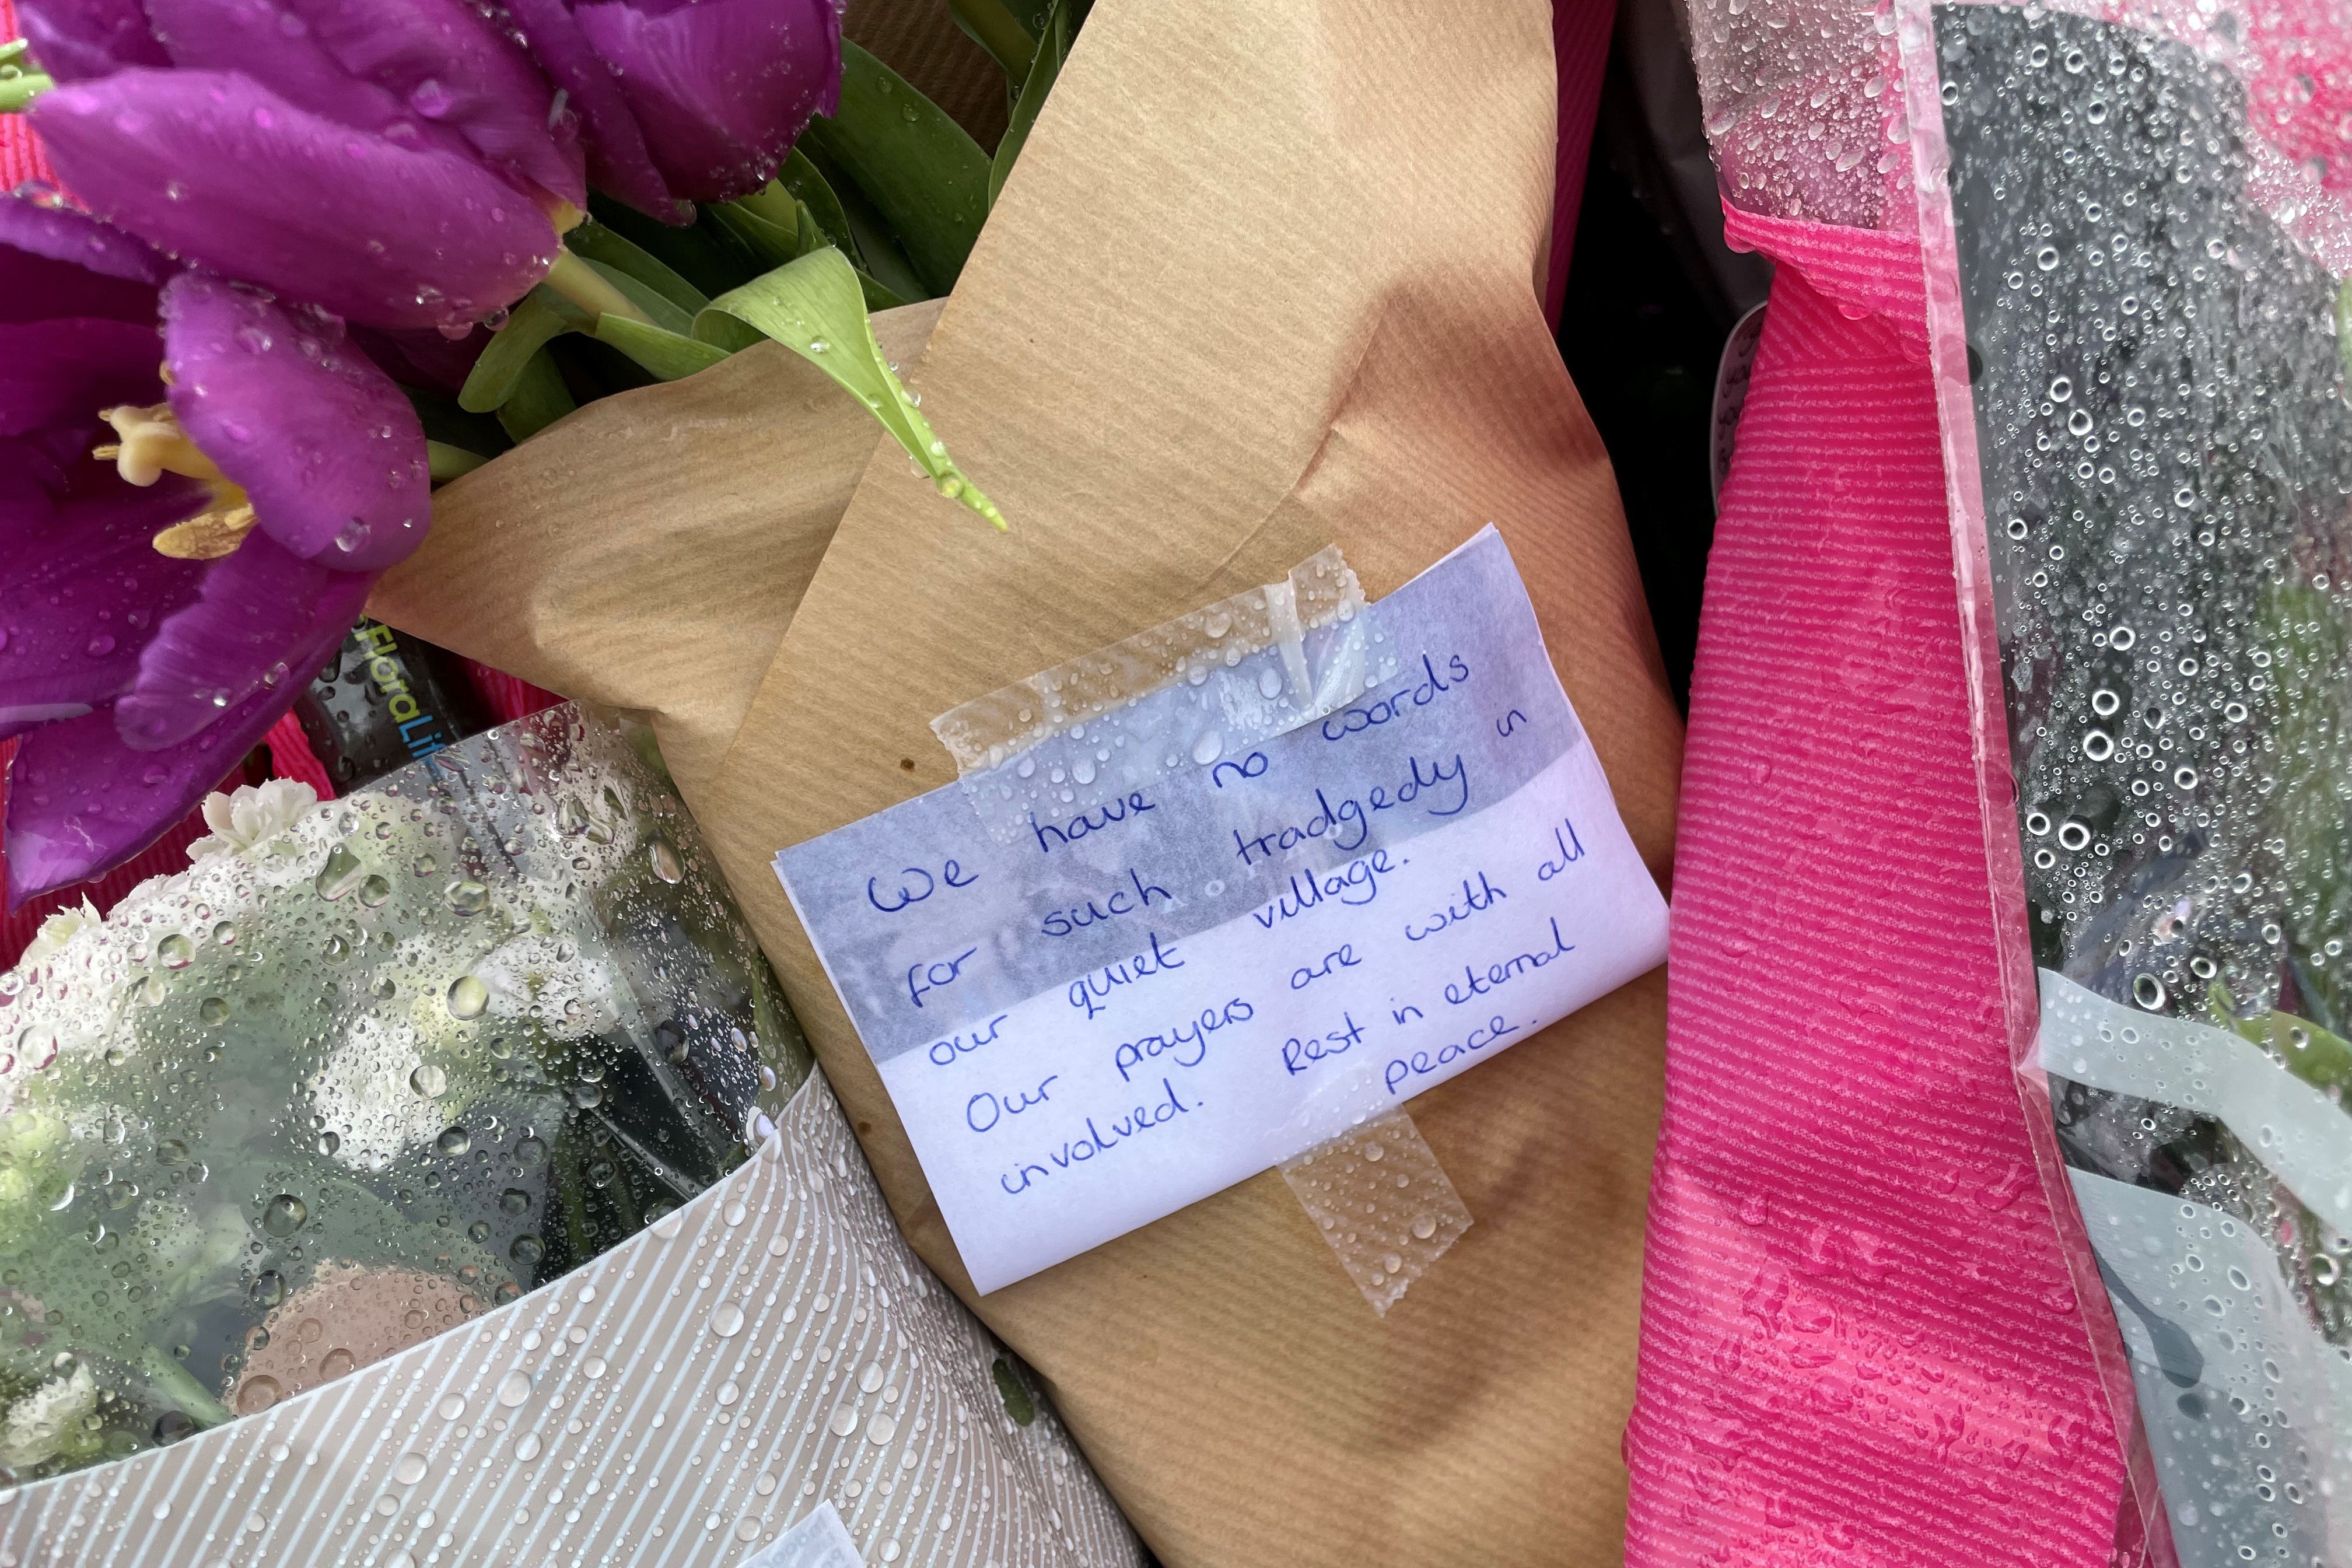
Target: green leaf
x=815, y=307
x=1052, y=50
x=873, y=250
x=537, y=399
x=708, y=259
x=925, y=176
x=878, y=298
x=540, y=316
x=997, y=27
x=597, y=243
x=671, y=356
x=773, y=244
x=1017, y=1403
x=806, y=184
x=448, y=462
x=647, y=298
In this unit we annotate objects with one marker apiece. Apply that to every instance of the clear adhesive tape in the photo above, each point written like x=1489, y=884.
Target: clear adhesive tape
x=1187, y=693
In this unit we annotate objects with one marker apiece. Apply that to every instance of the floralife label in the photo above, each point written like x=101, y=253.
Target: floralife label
x=1120, y=1013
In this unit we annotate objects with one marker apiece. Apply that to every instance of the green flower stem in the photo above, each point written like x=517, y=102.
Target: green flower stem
x=19, y=87
x=170, y=1377
x=573, y=278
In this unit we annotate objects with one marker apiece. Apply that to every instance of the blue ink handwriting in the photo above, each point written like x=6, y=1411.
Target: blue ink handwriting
x=1064, y=922
x=951, y=873
x=1417, y=1063
x=1388, y=709
x=922, y=977
x=1570, y=851
x=1192, y=1035
x=1477, y=983
x=1298, y=1055
x=1509, y=725
x=1357, y=877
x=1249, y=767
x=945, y=1052
x=1474, y=900
x=1091, y=989
x=1077, y=1150
x=1131, y=803
x=1341, y=957
x=995, y=1110
x=1348, y=824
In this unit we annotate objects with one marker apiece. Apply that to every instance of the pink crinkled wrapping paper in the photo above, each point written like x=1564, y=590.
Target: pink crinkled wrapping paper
x=1859, y=1341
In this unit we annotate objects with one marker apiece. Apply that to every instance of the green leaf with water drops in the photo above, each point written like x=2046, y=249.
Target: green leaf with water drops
x=671, y=356
x=541, y=314
x=658, y=309
x=1052, y=50
x=923, y=172
x=815, y=307
x=600, y=244
x=997, y=26
x=537, y=399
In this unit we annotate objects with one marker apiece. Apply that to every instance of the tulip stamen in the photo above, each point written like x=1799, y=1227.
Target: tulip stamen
x=208, y=536
x=152, y=445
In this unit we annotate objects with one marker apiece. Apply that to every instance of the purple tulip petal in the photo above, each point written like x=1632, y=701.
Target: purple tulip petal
x=214, y=167
x=74, y=40
x=64, y=372
x=721, y=88
x=423, y=359
x=57, y=262
x=327, y=446
x=85, y=587
x=81, y=801
x=257, y=611
x=423, y=73
x=618, y=163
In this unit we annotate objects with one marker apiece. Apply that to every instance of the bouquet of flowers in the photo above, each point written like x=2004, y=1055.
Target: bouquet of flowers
x=441, y=246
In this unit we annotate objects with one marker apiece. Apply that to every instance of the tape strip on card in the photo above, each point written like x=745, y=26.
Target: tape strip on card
x=1206, y=684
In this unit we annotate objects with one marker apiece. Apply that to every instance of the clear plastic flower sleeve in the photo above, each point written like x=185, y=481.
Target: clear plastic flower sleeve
x=2135, y=252
x=436, y=1174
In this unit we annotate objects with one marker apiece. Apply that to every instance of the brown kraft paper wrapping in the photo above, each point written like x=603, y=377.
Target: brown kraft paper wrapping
x=1265, y=280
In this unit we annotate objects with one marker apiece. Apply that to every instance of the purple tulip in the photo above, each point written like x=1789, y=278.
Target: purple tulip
x=285, y=469
x=392, y=161
x=687, y=100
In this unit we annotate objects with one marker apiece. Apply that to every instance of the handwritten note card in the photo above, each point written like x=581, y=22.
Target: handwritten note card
x=1113, y=1016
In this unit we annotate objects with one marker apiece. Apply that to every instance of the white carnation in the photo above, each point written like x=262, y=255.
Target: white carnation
x=252, y=815
x=40, y=1423
x=59, y=929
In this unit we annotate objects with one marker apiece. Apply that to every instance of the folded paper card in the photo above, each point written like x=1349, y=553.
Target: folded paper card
x=1119, y=1012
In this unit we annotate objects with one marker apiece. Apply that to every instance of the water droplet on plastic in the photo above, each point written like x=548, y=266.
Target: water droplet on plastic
x=727, y=1319
x=667, y=865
